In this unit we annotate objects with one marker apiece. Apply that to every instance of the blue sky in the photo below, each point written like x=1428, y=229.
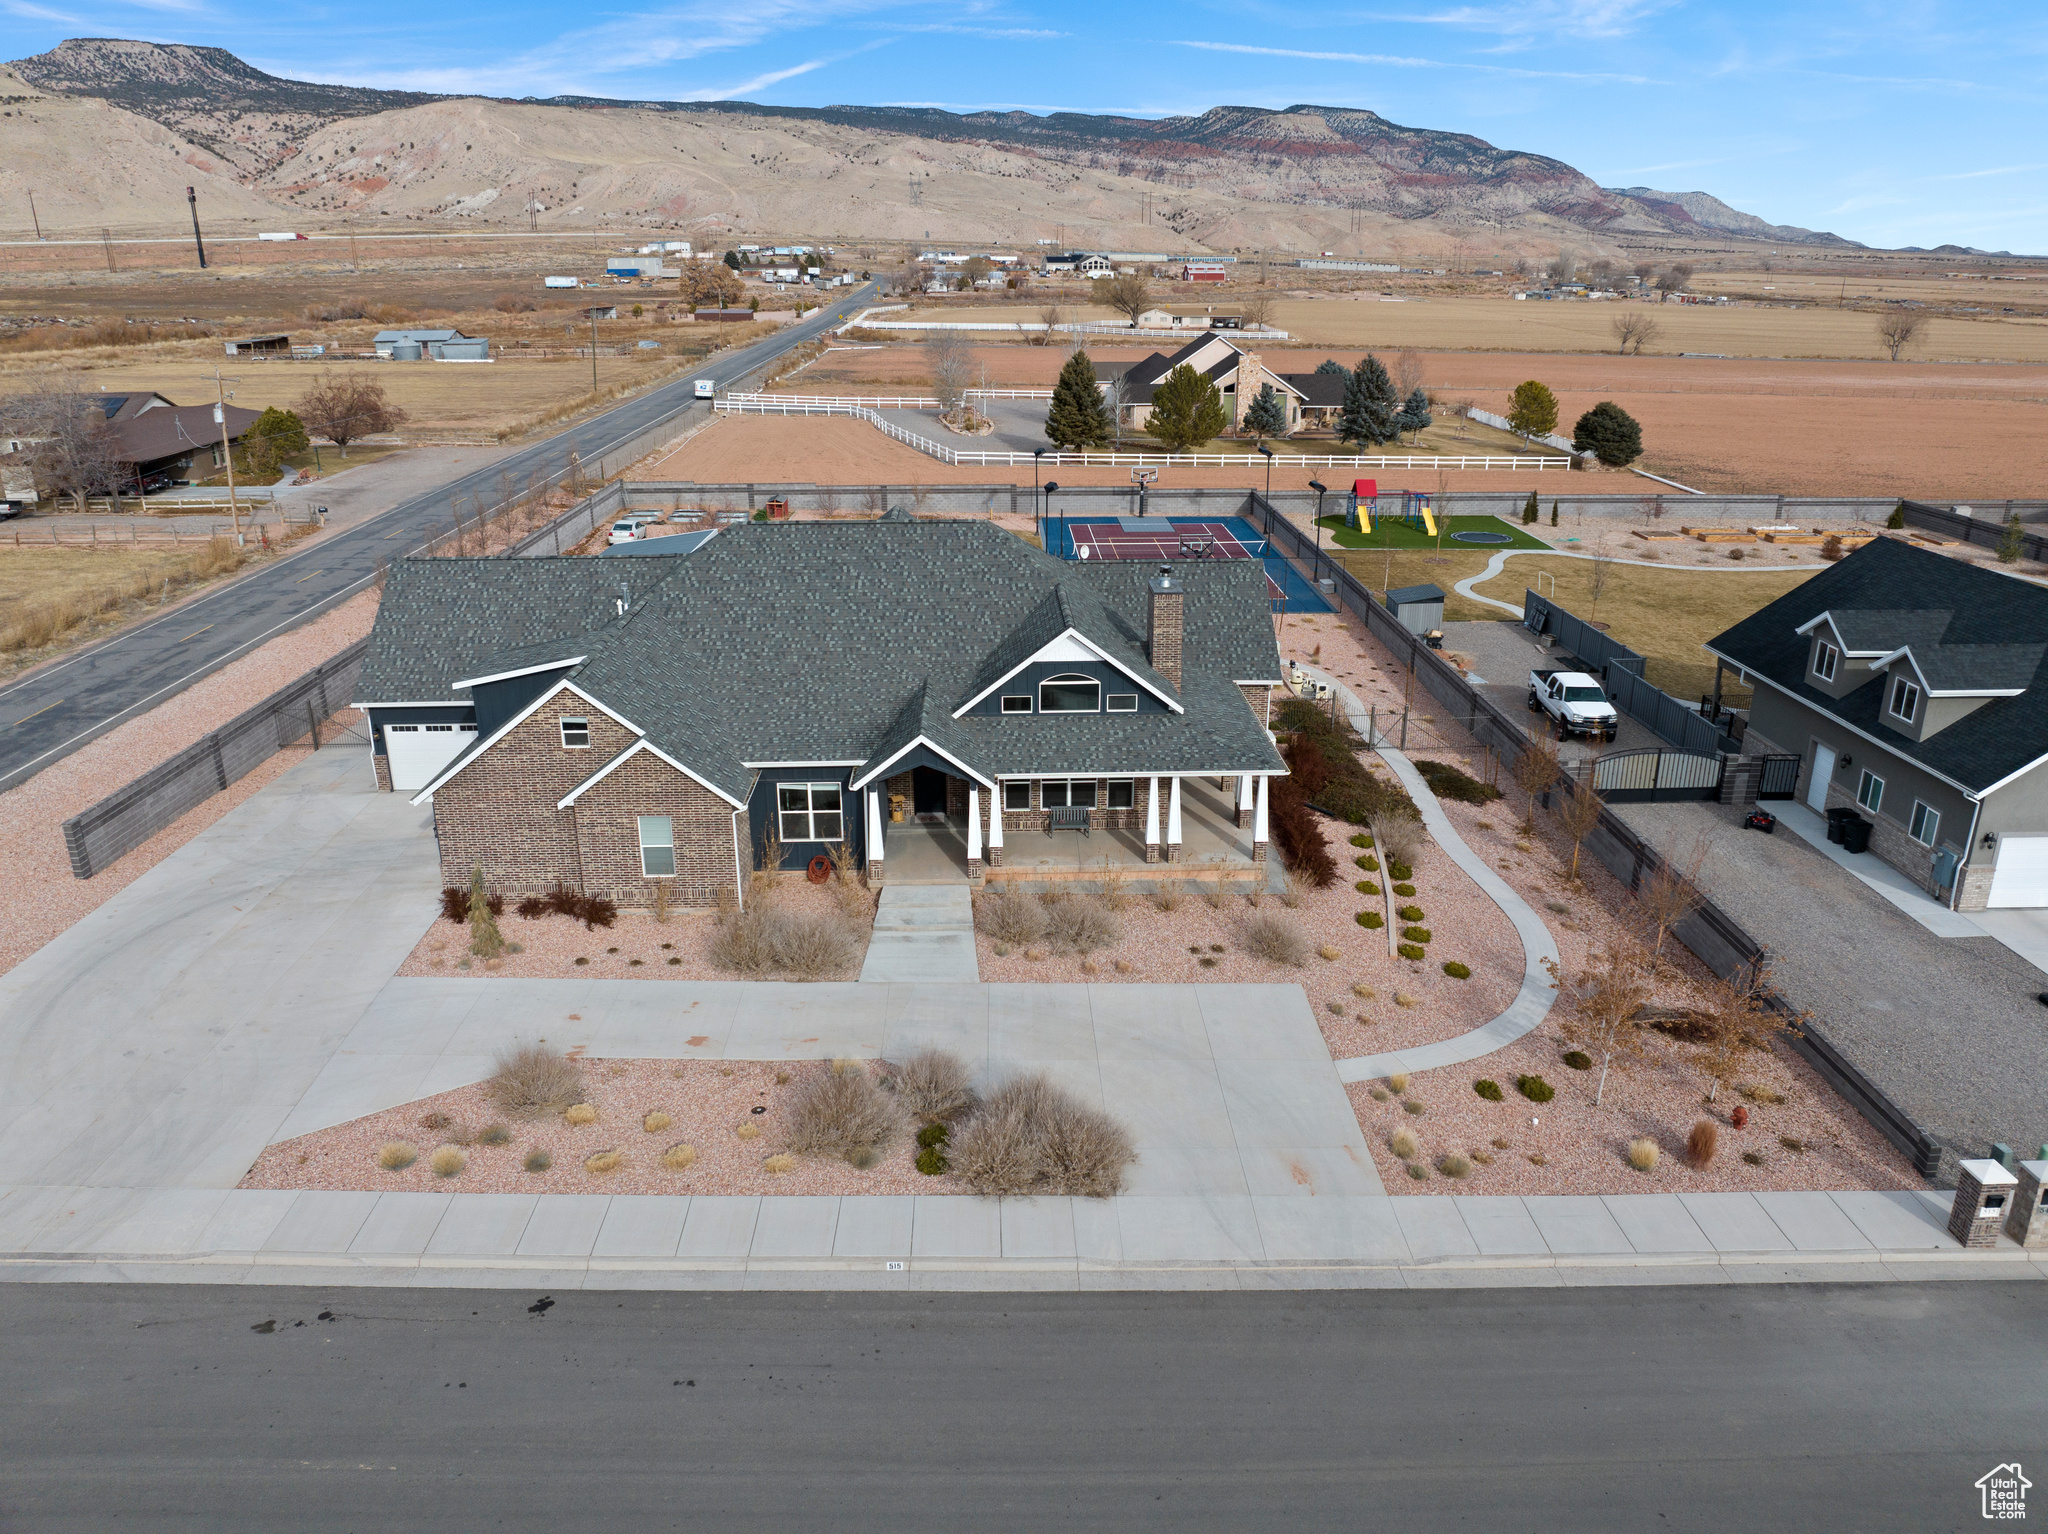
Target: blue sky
x=1892, y=123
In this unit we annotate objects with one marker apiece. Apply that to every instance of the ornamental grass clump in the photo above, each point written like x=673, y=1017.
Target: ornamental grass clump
x=1010, y=914
x=1274, y=938
x=840, y=1111
x=578, y=1114
x=1404, y=1144
x=1082, y=925
x=679, y=1158
x=1701, y=1144
x=448, y=1161
x=600, y=1162
x=535, y=1078
x=1031, y=1137
x=772, y=938
x=1643, y=1154
x=396, y=1155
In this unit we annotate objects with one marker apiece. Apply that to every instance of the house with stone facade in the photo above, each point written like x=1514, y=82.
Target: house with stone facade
x=1238, y=375
x=937, y=696
x=1913, y=688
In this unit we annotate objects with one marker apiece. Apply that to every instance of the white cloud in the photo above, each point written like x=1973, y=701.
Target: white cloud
x=1547, y=18
x=37, y=13
x=1397, y=61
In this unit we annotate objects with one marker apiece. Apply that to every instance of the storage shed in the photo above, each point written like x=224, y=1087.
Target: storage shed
x=259, y=346
x=1418, y=609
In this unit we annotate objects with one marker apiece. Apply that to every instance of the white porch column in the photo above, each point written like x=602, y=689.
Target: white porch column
x=874, y=799
x=973, y=828
x=1173, y=822
x=1259, y=816
x=1244, y=800
x=1152, y=821
x=995, y=827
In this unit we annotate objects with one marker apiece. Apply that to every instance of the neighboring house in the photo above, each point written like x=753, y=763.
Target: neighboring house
x=1204, y=271
x=1189, y=319
x=160, y=442
x=1914, y=689
x=1066, y=265
x=615, y=723
x=437, y=345
x=1237, y=374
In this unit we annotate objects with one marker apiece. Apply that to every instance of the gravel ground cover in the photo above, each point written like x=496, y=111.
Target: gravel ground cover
x=636, y=947
x=710, y=1105
x=45, y=898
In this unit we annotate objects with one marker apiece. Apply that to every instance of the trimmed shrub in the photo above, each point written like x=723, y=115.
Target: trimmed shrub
x=1458, y=971
x=1404, y=889
x=679, y=1158
x=1010, y=915
x=1273, y=938
x=1643, y=1155
x=1031, y=1137
x=535, y=1078
x=934, y=1086
x=1578, y=1060
x=1701, y=1144
x=1416, y=934
x=1490, y=1090
x=1400, y=871
x=1411, y=951
x=396, y=1155
x=1535, y=1088
x=1366, y=887
x=1370, y=864
x=1409, y=912
x=1448, y=782
x=932, y=1161
x=1372, y=921
x=1361, y=840
x=933, y=1134
x=840, y=1109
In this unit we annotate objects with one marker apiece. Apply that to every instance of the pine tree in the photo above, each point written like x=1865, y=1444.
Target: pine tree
x=1078, y=417
x=1610, y=433
x=1531, y=511
x=1897, y=519
x=1371, y=405
x=1414, y=416
x=1266, y=415
x=1186, y=410
x=485, y=940
x=1553, y=513
x=1330, y=367
x=2010, y=542
x=1532, y=409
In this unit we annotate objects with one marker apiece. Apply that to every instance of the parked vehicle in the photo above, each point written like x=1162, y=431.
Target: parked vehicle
x=1575, y=703
x=626, y=529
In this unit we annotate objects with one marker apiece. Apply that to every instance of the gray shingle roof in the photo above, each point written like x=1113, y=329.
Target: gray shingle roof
x=1975, y=628
x=816, y=642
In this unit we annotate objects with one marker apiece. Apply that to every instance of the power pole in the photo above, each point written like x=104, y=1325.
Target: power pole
x=107, y=244
x=593, y=349
x=353, y=264
x=227, y=447
x=192, y=197
x=34, y=216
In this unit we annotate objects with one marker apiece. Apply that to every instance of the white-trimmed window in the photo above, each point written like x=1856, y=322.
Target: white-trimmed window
x=1825, y=658
x=1017, y=795
x=1123, y=703
x=657, y=846
x=1123, y=793
x=1905, y=699
x=575, y=734
x=1016, y=702
x=1926, y=823
x=1067, y=793
x=809, y=812
x=1870, y=791
x=1070, y=693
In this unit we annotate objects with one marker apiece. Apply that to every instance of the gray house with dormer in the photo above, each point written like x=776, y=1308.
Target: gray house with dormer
x=1914, y=689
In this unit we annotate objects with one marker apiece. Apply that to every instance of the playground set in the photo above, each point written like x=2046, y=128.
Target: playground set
x=1410, y=508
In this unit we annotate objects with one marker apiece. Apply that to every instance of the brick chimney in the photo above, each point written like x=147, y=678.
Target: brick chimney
x=1163, y=625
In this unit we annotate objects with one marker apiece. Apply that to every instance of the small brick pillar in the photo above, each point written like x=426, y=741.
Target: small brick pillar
x=1740, y=776
x=1984, y=1192
x=2027, y=1221
x=383, y=767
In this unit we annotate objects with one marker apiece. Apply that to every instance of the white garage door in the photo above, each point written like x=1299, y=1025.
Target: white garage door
x=2021, y=875
x=418, y=751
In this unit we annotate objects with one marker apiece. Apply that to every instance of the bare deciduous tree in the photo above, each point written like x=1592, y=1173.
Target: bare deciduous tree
x=1644, y=270
x=1563, y=267
x=1256, y=307
x=1599, y=571
x=1671, y=892
x=1052, y=316
x=1598, y=1006
x=1674, y=277
x=1127, y=293
x=1898, y=330
x=70, y=448
x=344, y=407
x=1396, y=835
x=1536, y=768
x=1634, y=329
x=1739, y=1016
x=952, y=366
x=1577, y=812
x=1408, y=373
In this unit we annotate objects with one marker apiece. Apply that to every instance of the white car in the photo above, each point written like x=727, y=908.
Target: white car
x=626, y=529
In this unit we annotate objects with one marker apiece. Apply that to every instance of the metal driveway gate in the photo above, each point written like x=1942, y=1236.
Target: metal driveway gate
x=1624, y=777
x=1778, y=778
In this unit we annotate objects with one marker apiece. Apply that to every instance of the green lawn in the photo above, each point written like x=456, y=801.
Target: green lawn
x=1390, y=532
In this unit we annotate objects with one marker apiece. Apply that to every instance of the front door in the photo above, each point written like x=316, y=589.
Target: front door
x=1823, y=774
x=928, y=795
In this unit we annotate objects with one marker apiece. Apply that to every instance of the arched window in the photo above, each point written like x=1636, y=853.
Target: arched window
x=1070, y=693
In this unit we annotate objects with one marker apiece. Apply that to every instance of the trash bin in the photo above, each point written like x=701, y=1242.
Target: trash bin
x=1836, y=817
x=1855, y=834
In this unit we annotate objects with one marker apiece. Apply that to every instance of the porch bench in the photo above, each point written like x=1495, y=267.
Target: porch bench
x=1071, y=818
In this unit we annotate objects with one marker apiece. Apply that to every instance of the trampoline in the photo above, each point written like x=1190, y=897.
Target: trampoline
x=1481, y=538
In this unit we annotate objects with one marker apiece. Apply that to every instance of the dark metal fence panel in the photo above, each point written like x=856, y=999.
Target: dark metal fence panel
x=1986, y=530
x=573, y=525
x=1621, y=669
x=131, y=815
x=1654, y=773
x=1778, y=778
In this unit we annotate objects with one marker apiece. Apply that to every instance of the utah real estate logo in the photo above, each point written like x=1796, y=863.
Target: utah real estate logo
x=2005, y=1493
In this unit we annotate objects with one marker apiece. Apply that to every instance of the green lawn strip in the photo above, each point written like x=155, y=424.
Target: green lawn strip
x=1392, y=533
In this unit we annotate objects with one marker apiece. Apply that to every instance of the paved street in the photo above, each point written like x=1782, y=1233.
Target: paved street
x=1766, y=1408
x=60, y=707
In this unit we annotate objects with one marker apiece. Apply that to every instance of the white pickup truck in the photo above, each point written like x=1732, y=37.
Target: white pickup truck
x=1574, y=702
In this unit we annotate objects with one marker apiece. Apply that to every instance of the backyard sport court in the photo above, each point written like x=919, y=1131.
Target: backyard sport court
x=1169, y=539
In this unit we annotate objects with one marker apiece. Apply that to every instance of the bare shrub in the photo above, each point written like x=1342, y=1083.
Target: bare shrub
x=1082, y=925
x=1031, y=1137
x=841, y=1110
x=1292, y=893
x=769, y=938
x=1170, y=895
x=1274, y=938
x=1216, y=892
x=1116, y=887
x=535, y=1078
x=1010, y=914
x=934, y=1085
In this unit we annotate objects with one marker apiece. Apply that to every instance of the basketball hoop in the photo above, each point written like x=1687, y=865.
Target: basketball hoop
x=1144, y=476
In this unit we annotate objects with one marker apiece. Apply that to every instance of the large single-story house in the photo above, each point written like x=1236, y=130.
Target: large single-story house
x=1238, y=374
x=1913, y=688
x=612, y=724
x=158, y=440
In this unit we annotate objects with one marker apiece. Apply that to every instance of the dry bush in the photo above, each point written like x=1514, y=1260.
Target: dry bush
x=1701, y=1144
x=1273, y=938
x=604, y=1161
x=780, y=1162
x=655, y=1122
x=1010, y=914
x=1082, y=925
x=1031, y=1137
x=448, y=1161
x=1292, y=893
x=1216, y=892
x=934, y=1086
x=396, y=1155
x=537, y=1160
x=579, y=1114
x=841, y=1110
x=1404, y=1144
x=679, y=1158
x=1454, y=1165
x=769, y=938
x=1398, y=1082
x=1116, y=887
x=1643, y=1154
x=748, y=1131
x=1170, y=895
x=535, y=1078
x=493, y=1134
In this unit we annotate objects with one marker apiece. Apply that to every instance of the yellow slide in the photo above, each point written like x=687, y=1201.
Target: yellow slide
x=1428, y=522
x=1365, y=516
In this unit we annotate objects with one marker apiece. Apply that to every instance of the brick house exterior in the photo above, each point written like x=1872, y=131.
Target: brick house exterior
x=619, y=725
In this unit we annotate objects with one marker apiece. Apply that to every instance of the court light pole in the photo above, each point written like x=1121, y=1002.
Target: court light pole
x=1269, y=470
x=1051, y=485
x=1321, y=490
x=1037, y=462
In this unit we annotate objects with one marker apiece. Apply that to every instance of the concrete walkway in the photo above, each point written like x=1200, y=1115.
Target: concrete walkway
x=1532, y=1003
x=923, y=933
x=1875, y=874
x=1499, y=562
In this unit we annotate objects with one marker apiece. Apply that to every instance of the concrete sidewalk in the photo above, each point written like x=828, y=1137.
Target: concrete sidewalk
x=923, y=933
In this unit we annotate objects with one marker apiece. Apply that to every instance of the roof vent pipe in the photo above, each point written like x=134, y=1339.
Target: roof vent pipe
x=625, y=600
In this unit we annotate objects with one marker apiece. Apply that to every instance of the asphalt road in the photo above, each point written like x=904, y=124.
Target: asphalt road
x=1794, y=1407
x=53, y=711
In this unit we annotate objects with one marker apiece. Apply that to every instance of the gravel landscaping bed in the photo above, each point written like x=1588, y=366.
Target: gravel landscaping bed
x=710, y=1104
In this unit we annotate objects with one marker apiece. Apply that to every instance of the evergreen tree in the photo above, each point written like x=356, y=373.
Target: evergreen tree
x=1532, y=410
x=1553, y=512
x=1186, y=410
x=1371, y=405
x=1079, y=418
x=2010, y=542
x=732, y=259
x=1610, y=433
x=1330, y=367
x=1531, y=511
x=1266, y=415
x=273, y=437
x=1897, y=519
x=1414, y=416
